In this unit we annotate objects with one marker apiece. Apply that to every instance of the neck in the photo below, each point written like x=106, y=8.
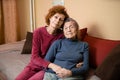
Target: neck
x=51, y=30
x=72, y=39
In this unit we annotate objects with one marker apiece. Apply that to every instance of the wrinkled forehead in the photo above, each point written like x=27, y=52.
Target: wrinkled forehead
x=71, y=23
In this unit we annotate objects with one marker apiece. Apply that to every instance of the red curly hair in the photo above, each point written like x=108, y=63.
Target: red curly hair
x=56, y=9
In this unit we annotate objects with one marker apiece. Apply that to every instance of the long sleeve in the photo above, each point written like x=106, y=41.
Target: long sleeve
x=37, y=55
x=50, y=56
x=41, y=43
x=84, y=68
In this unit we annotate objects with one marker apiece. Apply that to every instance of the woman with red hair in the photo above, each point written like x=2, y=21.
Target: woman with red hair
x=43, y=37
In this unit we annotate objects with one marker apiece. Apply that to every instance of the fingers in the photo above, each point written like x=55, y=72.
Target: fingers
x=79, y=64
x=64, y=73
x=60, y=75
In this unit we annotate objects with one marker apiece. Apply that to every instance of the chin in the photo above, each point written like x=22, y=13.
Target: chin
x=55, y=27
x=69, y=37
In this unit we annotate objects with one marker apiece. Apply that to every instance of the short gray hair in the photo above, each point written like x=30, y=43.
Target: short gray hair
x=71, y=19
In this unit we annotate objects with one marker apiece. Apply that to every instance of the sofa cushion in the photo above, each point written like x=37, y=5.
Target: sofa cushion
x=28, y=44
x=99, y=49
x=83, y=33
x=110, y=68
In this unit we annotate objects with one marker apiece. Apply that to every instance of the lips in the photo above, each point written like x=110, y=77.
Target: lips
x=69, y=33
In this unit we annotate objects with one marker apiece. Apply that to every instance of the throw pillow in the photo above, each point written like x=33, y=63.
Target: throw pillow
x=110, y=68
x=83, y=33
x=28, y=44
x=99, y=49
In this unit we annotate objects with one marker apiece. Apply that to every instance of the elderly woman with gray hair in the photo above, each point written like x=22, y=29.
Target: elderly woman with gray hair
x=67, y=53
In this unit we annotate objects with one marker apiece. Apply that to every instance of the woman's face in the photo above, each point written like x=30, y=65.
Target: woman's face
x=70, y=30
x=57, y=20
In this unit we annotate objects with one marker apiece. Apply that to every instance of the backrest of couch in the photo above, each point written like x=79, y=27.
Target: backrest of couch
x=99, y=49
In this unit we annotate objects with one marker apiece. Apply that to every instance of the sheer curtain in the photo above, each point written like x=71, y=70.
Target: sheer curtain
x=9, y=31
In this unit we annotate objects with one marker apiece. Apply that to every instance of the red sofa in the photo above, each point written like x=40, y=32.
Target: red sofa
x=99, y=50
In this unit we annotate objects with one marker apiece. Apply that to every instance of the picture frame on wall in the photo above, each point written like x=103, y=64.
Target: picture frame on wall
x=58, y=2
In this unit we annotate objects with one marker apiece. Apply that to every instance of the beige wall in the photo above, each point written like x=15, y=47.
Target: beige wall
x=102, y=17
x=41, y=9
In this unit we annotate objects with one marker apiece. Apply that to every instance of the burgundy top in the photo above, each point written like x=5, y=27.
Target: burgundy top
x=40, y=45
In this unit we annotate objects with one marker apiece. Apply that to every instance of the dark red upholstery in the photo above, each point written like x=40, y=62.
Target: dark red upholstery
x=99, y=49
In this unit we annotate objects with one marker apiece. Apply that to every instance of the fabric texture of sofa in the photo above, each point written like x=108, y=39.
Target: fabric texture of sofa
x=104, y=57
x=110, y=67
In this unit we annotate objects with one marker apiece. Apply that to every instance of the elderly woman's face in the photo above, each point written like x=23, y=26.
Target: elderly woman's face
x=70, y=30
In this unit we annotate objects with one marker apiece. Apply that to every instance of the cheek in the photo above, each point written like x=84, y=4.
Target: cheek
x=60, y=23
x=64, y=32
x=75, y=31
x=50, y=20
x=66, y=35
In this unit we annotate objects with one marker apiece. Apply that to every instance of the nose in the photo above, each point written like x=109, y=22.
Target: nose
x=57, y=20
x=68, y=29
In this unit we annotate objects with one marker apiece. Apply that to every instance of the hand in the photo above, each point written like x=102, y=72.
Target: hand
x=79, y=64
x=64, y=73
x=54, y=67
